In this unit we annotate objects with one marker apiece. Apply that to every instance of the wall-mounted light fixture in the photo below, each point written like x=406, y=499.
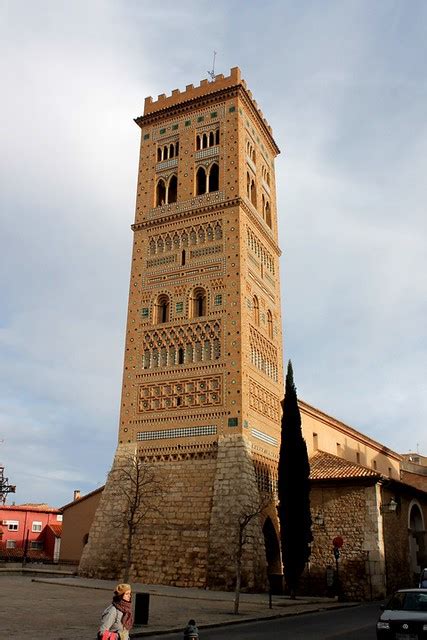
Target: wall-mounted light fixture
x=318, y=519
x=389, y=507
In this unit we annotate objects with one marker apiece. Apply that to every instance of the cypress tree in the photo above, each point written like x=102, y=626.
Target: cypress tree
x=293, y=489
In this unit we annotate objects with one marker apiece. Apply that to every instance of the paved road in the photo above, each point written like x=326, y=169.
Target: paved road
x=355, y=623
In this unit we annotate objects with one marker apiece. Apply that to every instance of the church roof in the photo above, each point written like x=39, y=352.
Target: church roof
x=326, y=466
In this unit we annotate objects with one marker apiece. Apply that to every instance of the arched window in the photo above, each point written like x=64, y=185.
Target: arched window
x=198, y=303
x=162, y=309
x=211, y=139
x=183, y=257
x=160, y=193
x=204, y=141
x=159, y=154
x=171, y=150
x=263, y=205
x=214, y=177
x=165, y=153
x=200, y=181
x=198, y=143
x=217, y=136
x=253, y=157
x=248, y=185
x=172, y=189
x=253, y=192
x=270, y=324
x=255, y=309
x=177, y=147
x=268, y=214
x=181, y=355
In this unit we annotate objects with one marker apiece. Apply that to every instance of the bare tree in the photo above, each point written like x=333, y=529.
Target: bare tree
x=142, y=489
x=245, y=517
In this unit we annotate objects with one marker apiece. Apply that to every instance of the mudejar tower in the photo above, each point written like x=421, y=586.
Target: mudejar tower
x=203, y=376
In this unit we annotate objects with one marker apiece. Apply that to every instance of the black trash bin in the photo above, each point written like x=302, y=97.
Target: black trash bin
x=276, y=583
x=142, y=605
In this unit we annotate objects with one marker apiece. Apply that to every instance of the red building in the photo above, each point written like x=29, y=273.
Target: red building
x=31, y=531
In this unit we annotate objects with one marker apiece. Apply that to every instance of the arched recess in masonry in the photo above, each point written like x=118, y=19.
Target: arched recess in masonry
x=166, y=192
x=198, y=303
x=208, y=139
x=207, y=180
x=270, y=324
x=162, y=309
x=255, y=311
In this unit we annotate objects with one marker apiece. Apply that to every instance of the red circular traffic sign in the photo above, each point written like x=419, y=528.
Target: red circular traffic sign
x=338, y=542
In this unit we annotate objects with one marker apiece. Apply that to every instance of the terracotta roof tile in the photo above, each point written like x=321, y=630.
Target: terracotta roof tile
x=325, y=466
x=57, y=529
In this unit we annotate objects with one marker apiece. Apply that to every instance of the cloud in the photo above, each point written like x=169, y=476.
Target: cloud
x=344, y=89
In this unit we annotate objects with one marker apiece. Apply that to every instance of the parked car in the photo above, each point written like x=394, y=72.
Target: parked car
x=423, y=579
x=404, y=617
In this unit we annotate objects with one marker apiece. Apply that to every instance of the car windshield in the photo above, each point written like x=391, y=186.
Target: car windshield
x=411, y=601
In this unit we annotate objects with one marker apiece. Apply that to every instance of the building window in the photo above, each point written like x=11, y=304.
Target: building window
x=253, y=192
x=213, y=177
x=268, y=213
x=36, y=545
x=37, y=527
x=270, y=324
x=179, y=307
x=208, y=139
x=172, y=190
x=160, y=193
x=315, y=442
x=200, y=181
x=338, y=449
x=181, y=355
x=358, y=457
x=255, y=309
x=145, y=312
x=218, y=299
x=198, y=303
x=162, y=307
x=374, y=464
x=12, y=525
x=10, y=544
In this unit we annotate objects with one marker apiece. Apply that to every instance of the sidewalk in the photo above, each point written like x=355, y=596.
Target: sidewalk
x=171, y=607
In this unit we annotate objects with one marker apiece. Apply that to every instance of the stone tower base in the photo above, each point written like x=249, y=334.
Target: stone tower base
x=189, y=539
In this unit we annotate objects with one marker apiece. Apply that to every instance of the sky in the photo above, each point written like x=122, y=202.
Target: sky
x=344, y=86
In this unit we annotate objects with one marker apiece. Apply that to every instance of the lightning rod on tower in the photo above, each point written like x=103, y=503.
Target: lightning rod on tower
x=212, y=72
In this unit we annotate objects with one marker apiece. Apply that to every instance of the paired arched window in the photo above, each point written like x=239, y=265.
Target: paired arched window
x=265, y=174
x=162, y=309
x=255, y=310
x=166, y=191
x=251, y=188
x=250, y=151
x=207, y=180
x=208, y=139
x=198, y=303
x=167, y=151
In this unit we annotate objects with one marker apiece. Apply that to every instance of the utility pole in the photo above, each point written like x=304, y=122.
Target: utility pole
x=5, y=487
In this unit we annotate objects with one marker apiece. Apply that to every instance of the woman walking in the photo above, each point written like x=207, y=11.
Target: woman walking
x=117, y=619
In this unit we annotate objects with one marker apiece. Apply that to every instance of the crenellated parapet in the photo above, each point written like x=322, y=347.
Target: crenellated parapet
x=206, y=87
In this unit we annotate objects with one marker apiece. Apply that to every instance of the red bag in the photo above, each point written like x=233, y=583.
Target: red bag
x=109, y=635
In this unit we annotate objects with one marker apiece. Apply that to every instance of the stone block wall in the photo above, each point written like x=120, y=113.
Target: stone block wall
x=187, y=539
x=235, y=494
x=352, y=512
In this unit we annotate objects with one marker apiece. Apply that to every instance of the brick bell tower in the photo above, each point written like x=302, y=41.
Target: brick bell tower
x=203, y=376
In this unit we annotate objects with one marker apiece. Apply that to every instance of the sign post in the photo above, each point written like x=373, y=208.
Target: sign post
x=337, y=543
